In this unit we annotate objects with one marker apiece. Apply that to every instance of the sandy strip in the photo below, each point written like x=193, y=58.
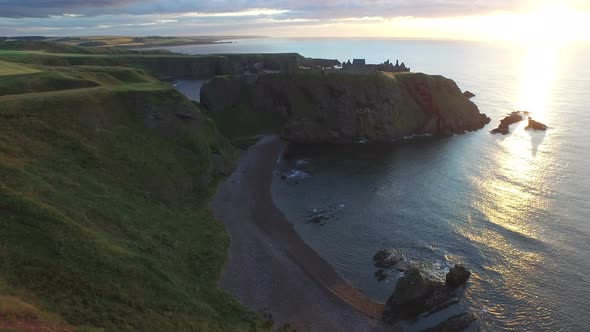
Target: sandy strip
x=270, y=269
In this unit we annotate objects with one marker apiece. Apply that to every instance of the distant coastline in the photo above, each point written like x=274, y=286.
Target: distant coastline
x=212, y=41
x=130, y=42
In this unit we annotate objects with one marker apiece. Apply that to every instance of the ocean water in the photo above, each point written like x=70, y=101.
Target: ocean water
x=514, y=209
x=191, y=88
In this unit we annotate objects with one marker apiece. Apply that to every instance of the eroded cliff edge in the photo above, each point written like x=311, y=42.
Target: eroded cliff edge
x=340, y=107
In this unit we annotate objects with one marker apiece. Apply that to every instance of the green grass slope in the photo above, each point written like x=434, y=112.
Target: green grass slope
x=64, y=47
x=10, y=68
x=104, y=218
x=44, y=79
x=158, y=65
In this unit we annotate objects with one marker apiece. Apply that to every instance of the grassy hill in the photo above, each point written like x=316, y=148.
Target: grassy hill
x=9, y=68
x=32, y=79
x=158, y=63
x=159, y=66
x=105, y=176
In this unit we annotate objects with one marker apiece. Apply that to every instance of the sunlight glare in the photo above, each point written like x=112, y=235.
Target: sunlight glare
x=538, y=72
x=553, y=22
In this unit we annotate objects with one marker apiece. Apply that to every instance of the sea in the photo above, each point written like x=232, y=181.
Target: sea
x=514, y=209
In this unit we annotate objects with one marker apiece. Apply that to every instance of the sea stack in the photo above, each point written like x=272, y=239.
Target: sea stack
x=534, y=125
x=504, y=127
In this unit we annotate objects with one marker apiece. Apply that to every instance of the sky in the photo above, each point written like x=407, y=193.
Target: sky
x=446, y=19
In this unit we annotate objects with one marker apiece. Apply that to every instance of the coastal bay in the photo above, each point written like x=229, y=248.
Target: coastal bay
x=474, y=199
x=293, y=166
x=270, y=269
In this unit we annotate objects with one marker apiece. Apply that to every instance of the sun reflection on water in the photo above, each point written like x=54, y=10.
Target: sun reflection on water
x=518, y=178
x=538, y=73
x=514, y=187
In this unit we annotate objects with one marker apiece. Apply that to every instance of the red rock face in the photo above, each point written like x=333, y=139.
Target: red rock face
x=425, y=99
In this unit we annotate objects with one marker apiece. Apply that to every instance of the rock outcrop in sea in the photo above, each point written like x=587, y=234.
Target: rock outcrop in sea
x=386, y=258
x=514, y=117
x=535, y=125
x=457, y=276
x=381, y=275
x=340, y=107
x=469, y=94
x=504, y=127
x=414, y=295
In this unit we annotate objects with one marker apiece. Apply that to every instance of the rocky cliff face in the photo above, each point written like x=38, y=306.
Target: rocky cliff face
x=341, y=107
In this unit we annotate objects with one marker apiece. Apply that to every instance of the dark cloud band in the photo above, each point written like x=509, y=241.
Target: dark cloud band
x=302, y=8
x=45, y=8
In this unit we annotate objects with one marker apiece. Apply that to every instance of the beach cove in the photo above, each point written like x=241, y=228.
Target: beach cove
x=270, y=268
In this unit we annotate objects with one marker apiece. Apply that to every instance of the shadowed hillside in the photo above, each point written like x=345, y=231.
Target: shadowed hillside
x=105, y=178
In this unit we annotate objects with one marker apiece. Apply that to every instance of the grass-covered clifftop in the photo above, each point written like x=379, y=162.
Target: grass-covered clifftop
x=42, y=79
x=159, y=66
x=340, y=106
x=105, y=176
x=158, y=63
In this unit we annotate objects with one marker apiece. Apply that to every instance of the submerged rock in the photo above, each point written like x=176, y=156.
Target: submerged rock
x=534, y=125
x=455, y=323
x=322, y=216
x=319, y=218
x=505, y=123
x=386, y=258
x=380, y=275
x=457, y=276
x=293, y=176
x=468, y=94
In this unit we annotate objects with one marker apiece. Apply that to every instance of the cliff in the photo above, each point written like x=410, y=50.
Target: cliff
x=314, y=106
x=104, y=217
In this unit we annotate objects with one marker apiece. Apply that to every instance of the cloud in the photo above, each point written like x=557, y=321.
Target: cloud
x=248, y=12
x=47, y=8
x=71, y=15
x=199, y=17
x=359, y=19
x=311, y=9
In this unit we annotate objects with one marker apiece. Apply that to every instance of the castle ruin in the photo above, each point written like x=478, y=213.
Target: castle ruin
x=360, y=65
